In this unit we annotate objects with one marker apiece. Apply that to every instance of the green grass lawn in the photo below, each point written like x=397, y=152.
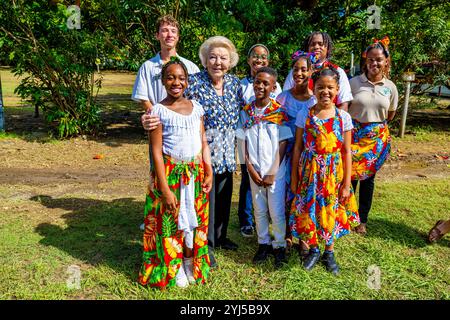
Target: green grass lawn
x=102, y=237
x=41, y=237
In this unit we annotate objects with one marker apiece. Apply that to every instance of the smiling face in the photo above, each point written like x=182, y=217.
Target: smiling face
x=317, y=45
x=167, y=35
x=263, y=85
x=325, y=89
x=258, y=58
x=218, y=62
x=175, y=80
x=301, y=72
x=376, y=63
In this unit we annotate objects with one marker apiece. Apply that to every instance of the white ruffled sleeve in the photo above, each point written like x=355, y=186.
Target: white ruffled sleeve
x=347, y=120
x=198, y=109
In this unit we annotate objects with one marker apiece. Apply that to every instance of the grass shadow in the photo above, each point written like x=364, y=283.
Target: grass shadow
x=97, y=232
x=399, y=232
x=248, y=246
x=121, y=121
x=433, y=120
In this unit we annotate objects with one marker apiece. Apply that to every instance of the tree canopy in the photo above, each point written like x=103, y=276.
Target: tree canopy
x=59, y=61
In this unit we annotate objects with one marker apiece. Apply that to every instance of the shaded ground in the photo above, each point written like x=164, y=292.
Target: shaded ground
x=60, y=206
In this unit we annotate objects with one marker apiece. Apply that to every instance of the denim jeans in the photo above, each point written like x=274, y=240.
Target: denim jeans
x=245, y=200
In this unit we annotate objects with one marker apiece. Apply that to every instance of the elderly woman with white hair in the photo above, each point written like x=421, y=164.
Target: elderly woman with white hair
x=220, y=94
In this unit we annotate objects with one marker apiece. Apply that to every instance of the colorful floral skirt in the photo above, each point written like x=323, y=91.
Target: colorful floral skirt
x=371, y=144
x=163, y=242
x=317, y=214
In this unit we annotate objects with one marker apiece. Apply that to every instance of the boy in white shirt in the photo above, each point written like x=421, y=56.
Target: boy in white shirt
x=265, y=134
x=258, y=56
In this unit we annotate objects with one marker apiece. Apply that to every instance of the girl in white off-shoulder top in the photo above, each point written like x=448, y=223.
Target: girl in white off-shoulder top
x=176, y=210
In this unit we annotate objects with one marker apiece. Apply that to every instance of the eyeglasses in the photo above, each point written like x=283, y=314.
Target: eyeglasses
x=257, y=56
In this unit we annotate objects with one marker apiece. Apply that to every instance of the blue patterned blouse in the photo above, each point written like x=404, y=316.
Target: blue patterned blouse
x=221, y=116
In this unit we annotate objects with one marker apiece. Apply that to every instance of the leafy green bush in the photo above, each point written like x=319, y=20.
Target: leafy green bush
x=57, y=63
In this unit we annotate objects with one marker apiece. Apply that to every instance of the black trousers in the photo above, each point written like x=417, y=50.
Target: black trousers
x=219, y=207
x=366, y=188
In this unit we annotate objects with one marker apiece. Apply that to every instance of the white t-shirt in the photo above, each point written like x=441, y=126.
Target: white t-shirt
x=303, y=115
x=344, y=94
x=148, y=85
x=263, y=144
x=249, y=93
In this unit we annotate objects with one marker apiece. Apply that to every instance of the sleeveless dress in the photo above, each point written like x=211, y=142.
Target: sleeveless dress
x=316, y=212
x=164, y=234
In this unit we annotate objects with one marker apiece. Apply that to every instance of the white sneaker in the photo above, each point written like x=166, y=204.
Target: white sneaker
x=181, y=279
x=142, y=227
x=189, y=269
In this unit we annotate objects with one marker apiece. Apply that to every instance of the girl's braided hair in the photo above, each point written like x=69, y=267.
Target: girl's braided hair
x=329, y=71
x=328, y=43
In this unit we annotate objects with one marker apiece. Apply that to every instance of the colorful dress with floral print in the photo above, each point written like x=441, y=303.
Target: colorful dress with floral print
x=316, y=213
x=371, y=144
x=163, y=242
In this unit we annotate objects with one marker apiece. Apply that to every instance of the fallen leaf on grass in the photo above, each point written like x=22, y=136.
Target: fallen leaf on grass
x=98, y=156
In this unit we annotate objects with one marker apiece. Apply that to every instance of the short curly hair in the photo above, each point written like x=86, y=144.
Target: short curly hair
x=218, y=42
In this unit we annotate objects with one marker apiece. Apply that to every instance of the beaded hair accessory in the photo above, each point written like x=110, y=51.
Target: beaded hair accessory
x=380, y=44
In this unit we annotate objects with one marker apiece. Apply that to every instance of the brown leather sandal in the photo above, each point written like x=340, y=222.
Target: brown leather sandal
x=435, y=233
